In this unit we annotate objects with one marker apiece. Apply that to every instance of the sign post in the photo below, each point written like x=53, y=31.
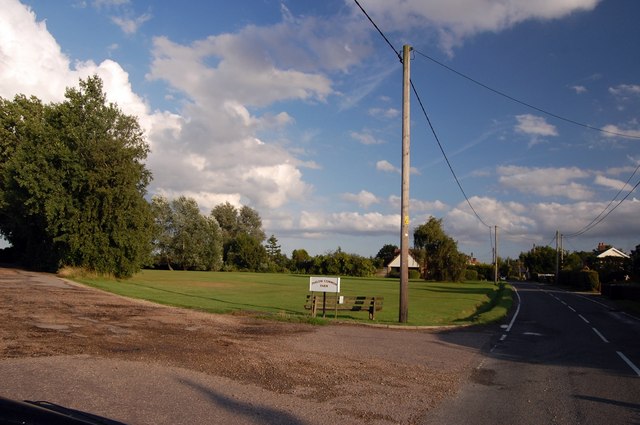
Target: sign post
x=325, y=284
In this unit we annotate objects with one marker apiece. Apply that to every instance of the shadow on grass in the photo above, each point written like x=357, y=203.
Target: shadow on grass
x=239, y=306
x=495, y=298
x=449, y=289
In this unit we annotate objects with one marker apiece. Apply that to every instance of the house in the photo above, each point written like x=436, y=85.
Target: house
x=394, y=265
x=612, y=252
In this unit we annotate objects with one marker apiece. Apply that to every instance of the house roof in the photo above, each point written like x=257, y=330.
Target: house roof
x=613, y=252
x=413, y=264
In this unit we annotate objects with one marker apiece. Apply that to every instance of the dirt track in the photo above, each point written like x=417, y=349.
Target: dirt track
x=142, y=363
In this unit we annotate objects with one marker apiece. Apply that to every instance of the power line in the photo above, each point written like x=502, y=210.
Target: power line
x=433, y=131
x=528, y=105
x=379, y=31
x=594, y=222
x=435, y=135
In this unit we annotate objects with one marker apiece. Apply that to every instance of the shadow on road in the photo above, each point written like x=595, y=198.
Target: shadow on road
x=260, y=414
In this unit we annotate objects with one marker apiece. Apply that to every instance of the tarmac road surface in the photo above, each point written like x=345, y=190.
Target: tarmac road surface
x=565, y=358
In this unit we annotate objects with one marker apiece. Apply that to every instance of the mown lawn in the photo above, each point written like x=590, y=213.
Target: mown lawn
x=283, y=295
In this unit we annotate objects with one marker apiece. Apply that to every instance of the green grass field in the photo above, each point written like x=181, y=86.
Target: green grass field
x=283, y=296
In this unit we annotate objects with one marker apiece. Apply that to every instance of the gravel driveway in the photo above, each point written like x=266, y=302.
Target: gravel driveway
x=141, y=363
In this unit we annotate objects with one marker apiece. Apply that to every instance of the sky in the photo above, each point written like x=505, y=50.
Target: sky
x=294, y=108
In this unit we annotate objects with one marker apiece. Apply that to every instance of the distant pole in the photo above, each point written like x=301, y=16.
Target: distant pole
x=404, y=214
x=557, y=256
x=495, y=270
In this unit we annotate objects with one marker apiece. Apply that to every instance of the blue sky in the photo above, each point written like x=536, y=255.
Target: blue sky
x=294, y=108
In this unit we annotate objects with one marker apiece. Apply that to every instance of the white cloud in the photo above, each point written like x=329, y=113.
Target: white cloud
x=454, y=20
x=534, y=125
x=349, y=223
x=612, y=130
x=609, y=182
x=579, y=89
x=386, y=166
x=130, y=25
x=625, y=90
x=545, y=181
x=388, y=113
x=366, y=138
x=417, y=206
x=364, y=198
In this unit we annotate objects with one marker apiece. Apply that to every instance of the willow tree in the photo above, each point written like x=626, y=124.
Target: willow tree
x=72, y=182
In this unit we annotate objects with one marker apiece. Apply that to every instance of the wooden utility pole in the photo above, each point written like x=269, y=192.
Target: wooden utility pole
x=495, y=270
x=404, y=213
x=557, y=256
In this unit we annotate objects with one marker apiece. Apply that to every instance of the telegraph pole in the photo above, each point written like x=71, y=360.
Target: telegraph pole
x=404, y=213
x=557, y=256
x=495, y=271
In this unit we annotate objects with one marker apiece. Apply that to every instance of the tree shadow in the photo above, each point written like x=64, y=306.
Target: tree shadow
x=258, y=413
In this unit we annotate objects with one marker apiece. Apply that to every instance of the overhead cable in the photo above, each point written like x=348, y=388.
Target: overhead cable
x=528, y=105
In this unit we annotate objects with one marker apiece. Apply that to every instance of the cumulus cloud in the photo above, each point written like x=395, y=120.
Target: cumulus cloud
x=386, y=166
x=388, y=113
x=453, y=21
x=558, y=182
x=418, y=206
x=625, y=90
x=364, y=198
x=609, y=182
x=631, y=130
x=534, y=126
x=349, y=223
x=130, y=25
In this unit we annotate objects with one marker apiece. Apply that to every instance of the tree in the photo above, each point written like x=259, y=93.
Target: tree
x=540, y=260
x=277, y=260
x=73, y=182
x=301, y=261
x=386, y=254
x=440, y=252
x=185, y=238
x=247, y=253
x=235, y=223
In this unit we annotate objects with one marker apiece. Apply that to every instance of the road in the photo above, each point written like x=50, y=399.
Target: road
x=564, y=358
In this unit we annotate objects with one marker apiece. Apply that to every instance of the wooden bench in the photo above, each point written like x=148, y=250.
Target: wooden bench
x=329, y=302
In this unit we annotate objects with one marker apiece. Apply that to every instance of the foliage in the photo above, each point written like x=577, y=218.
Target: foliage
x=301, y=261
x=540, y=259
x=241, y=223
x=278, y=262
x=183, y=237
x=635, y=263
x=72, y=182
x=340, y=263
x=246, y=253
x=442, y=260
x=470, y=274
x=386, y=254
x=580, y=279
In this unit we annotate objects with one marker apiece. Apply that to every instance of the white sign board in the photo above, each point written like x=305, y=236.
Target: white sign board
x=324, y=284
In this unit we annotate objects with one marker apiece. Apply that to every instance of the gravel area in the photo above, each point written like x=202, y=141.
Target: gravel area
x=143, y=363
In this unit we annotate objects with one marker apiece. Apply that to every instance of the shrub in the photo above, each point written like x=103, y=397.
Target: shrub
x=470, y=275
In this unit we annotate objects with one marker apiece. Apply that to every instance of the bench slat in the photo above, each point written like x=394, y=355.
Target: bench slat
x=349, y=303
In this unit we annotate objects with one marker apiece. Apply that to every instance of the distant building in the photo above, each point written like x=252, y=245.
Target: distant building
x=394, y=265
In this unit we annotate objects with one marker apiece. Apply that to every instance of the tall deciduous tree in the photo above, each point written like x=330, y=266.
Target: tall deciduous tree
x=73, y=182
x=440, y=251
x=238, y=227
x=184, y=237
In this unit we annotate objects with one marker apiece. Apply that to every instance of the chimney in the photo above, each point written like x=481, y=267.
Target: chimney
x=601, y=247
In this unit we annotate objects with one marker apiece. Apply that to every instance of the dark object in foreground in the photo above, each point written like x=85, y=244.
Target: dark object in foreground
x=42, y=412
x=329, y=302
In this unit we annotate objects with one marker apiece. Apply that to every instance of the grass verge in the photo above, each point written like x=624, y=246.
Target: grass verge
x=281, y=296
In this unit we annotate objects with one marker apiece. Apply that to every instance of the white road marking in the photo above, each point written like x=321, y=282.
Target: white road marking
x=571, y=308
x=629, y=363
x=583, y=318
x=600, y=335
x=513, y=319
